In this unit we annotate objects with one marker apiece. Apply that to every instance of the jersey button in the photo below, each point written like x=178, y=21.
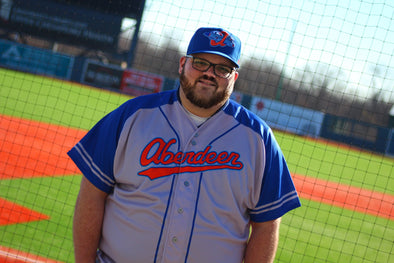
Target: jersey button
x=180, y=210
x=193, y=142
x=174, y=239
x=186, y=183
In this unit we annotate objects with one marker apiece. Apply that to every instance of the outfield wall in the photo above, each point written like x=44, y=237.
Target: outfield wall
x=287, y=117
x=278, y=115
x=34, y=60
x=361, y=134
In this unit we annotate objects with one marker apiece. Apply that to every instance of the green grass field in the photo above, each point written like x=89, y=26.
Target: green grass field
x=316, y=232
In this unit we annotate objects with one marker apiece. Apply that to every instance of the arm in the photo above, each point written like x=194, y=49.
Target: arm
x=88, y=219
x=263, y=242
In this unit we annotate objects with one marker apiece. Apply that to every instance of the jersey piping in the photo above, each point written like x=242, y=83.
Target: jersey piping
x=102, y=175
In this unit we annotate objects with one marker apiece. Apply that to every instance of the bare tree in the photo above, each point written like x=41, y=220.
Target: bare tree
x=318, y=86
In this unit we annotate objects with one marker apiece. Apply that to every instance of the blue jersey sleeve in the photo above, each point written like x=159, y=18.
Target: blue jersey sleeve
x=278, y=194
x=94, y=154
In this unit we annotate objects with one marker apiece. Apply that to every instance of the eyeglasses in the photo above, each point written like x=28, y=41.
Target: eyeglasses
x=203, y=65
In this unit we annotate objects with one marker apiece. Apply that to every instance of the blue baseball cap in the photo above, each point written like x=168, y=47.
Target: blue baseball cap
x=215, y=41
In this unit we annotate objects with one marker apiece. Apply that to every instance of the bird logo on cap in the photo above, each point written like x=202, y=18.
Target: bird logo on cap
x=220, y=39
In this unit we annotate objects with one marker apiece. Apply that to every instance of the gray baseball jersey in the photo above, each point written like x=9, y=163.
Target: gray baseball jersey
x=178, y=192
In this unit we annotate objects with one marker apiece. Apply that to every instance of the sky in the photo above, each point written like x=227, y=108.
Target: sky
x=351, y=40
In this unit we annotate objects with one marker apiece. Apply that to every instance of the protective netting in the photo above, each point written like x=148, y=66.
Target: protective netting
x=321, y=73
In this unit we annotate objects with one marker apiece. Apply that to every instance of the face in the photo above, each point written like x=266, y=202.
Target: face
x=205, y=89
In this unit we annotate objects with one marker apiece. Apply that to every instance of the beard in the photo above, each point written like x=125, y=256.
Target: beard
x=189, y=89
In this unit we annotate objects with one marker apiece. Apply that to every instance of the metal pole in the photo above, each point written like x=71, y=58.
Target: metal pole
x=280, y=84
x=134, y=41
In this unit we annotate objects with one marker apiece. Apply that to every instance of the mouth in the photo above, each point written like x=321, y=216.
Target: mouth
x=207, y=82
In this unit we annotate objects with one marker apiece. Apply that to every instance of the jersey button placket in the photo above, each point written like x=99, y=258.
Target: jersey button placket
x=183, y=207
x=181, y=218
x=174, y=239
x=193, y=141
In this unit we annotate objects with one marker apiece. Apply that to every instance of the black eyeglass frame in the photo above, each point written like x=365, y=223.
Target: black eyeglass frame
x=232, y=69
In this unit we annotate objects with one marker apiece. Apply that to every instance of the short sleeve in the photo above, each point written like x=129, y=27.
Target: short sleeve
x=94, y=154
x=278, y=194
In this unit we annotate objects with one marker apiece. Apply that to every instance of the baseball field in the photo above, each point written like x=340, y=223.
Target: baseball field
x=347, y=194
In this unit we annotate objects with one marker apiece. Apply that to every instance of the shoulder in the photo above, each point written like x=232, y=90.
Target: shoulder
x=149, y=101
x=247, y=118
x=152, y=100
x=132, y=107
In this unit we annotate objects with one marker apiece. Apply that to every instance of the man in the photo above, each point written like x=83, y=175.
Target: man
x=180, y=176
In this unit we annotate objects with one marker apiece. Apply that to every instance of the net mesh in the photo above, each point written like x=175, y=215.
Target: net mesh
x=302, y=60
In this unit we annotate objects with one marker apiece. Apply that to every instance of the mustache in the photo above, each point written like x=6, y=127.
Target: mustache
x=205, y=77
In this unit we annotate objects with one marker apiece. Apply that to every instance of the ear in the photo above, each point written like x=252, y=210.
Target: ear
x=236, y=75
x=182, y=62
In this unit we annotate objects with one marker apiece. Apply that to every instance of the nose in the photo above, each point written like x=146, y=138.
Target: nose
x=210, y=71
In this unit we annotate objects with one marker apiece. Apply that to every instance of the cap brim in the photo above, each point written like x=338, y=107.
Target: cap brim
x=216, y=53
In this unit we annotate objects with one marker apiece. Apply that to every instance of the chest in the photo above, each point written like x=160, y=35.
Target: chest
x=151, y=153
